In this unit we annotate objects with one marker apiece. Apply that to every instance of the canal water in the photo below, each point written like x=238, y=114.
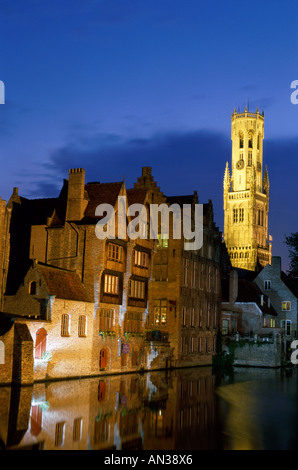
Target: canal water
x=184, y=409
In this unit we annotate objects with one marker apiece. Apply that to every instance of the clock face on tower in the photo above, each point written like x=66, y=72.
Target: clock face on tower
x=240, y=164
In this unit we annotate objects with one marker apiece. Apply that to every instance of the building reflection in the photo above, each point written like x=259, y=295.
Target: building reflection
x=160, y=410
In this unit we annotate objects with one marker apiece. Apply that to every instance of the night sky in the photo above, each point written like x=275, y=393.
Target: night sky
x=111, y=86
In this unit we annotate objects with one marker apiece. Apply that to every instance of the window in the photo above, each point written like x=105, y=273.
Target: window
x=111, y=284
x=163, y=240
x=32, y=288
x=286, y=325
x=136, y=289
x=241, y=215
x=225, y=327
x=286, y=305
x=82, y=328
x=106, y=316
x=59, y=434
x=160, y=312
x=186, y=263
x=141, y=259
x=241, y=141
x=241, y=156
x=115, y=252
x=65, y=322
x=77, y=429
x=235, y=216
x=249, y=162
x=267, y=285
x=250, y=141
x=132, y=322
x=272, y=323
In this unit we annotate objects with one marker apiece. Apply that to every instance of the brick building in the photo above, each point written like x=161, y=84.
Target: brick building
x=185, y=290
x=94, y=304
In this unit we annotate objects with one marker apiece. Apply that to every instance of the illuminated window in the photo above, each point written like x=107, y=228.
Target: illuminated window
x=77, y=429
x=267, y=285
x=82, y=327
x=160, y=312
x=115, y=252
x=111, y=284
x=136, y=289
x=59, y=434
x=65, y=322
x=272, y=323
x=163, y=241
x=32, y=288
x=286, y=305
x=141, y=259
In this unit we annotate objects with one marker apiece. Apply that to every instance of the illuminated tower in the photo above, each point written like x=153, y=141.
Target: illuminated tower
x=246, y=194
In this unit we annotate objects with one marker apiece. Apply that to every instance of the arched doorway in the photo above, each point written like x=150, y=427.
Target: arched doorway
x=40, y=343
x=103, y=356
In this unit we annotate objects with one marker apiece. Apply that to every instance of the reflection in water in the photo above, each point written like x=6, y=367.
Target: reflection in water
x=181, y=409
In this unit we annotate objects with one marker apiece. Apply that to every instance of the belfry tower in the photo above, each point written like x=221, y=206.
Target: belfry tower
x=246, y=194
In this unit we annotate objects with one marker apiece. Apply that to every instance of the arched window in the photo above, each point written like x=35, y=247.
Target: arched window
x=65, y=322
x=40, y=343
x=32, y=288
x=82, y=327
x=250, y=140
x=241, y=141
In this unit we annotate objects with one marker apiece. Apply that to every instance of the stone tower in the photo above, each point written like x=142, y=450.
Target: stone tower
x=246, y=194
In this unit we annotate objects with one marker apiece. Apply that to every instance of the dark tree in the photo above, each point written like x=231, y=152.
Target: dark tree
x=292, y=244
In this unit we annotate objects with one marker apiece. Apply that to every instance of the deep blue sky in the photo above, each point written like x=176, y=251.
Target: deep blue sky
x=114, y=85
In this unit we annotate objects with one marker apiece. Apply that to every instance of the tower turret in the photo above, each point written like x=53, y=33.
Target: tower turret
x=246, y=202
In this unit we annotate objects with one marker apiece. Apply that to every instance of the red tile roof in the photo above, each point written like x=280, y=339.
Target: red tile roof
x=63, y=284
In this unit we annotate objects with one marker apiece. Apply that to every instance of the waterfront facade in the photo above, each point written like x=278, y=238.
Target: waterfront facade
x=79, y=305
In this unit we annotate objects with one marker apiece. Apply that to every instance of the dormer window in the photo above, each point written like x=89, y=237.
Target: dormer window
x=267, y=285
x=32, y=288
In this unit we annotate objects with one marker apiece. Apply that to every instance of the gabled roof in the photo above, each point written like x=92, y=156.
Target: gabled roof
x=136, y=196
x=99, y=193
x=291, y=283
x=63, y=284
x=248, y=291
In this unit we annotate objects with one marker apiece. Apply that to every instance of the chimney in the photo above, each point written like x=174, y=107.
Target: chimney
x=276, y=264
x=233, y=287
x=76, y=203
